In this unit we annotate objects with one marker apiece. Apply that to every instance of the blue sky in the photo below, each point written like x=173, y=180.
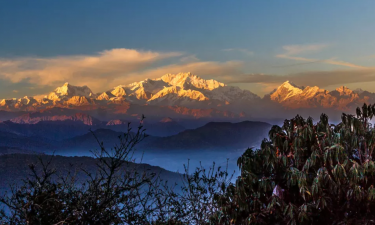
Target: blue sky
x=274, y=38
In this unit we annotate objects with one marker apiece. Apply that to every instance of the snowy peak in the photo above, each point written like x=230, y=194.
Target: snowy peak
x=187, y=94
x=67, y=91
x=105, y=96
x=291, y=86
x=188, y=80
x=182, y=89
x=359, y=91
x=118, y=91
x=292, y=96
x=343, y=90
x=175, y=93
x=78, y=100
x=311, y=92
x=285, y=91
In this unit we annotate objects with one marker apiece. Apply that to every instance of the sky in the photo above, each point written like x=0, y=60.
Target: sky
x=256, y=45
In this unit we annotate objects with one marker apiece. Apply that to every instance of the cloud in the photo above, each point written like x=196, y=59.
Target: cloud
x=327, y=61
x=313, y=78
x=292, y=50
x=108, y=68
x=298, y=64
x=93, y=70
x=298, y=49
x=189, y=58
x=242, y=50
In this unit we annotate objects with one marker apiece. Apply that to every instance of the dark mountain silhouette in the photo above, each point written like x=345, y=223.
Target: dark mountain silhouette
x=55, y=125
x=33, y=143
x=159, y=129
x=54, y=130
x=14, y=168
x=214, y=135
x=88, y=141
x=60, y=130
x=12, y=150
x=33, y=118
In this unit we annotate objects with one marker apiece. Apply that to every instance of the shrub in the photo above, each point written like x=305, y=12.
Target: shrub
x=307, y=173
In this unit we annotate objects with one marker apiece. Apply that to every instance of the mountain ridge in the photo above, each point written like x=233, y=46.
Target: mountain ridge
x=211, y=136
x=188, y=95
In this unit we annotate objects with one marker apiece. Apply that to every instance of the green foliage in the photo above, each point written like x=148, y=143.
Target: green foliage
x=307, y=173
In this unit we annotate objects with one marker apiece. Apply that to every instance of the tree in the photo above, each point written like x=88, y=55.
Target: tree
x=195, y=203
x=307, y=173
x=114, y=192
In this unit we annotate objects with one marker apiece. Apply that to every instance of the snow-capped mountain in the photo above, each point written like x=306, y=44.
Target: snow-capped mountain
x=25, y=103
x=292, y=96
x=286, y=91
x=68, y=91
x=183, y=89
x=186, y=94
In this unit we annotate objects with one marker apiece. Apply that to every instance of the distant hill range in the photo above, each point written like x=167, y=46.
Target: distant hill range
x=14, y=168
x=212, y=136
x=60, y=123
x=184, y=96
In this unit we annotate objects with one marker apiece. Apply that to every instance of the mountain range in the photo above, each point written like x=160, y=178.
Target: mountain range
x=59, y=127
x=184, y=89
x=292, y=96
x=47, y=137
x=183, y=96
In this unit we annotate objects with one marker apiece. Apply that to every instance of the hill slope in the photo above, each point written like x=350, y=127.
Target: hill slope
x=214, y=135
x=14, y=167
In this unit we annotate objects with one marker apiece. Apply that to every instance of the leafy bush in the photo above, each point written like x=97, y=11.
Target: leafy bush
x=307, y=173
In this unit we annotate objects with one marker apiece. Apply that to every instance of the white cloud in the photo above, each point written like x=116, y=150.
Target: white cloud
x=114, y=67
x=313, y=78
x=298, y=49
x=109, y=68
x=93, y=70
x=292, y=50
